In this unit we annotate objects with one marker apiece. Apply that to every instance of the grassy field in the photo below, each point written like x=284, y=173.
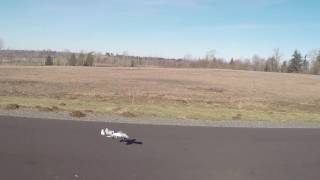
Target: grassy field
x=168, y=93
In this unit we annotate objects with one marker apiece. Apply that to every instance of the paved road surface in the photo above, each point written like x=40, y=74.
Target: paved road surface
x=38, y=149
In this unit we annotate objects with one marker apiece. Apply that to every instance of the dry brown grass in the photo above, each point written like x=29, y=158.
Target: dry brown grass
x=241, y=90
x=77, y=114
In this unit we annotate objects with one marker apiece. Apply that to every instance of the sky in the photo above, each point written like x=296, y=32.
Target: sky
x=165, y=28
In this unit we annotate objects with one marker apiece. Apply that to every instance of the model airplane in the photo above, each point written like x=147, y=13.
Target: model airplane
x=114, y=135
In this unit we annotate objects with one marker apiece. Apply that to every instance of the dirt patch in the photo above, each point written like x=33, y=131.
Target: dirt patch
x=77, y=114
x=216, y=90
x=55, y=108
x=47, y=109
x=181, y=117
x=123, y=112
x=88, y=111
x=127, y=114
x=212, y=89
x=117, y=110
x=12, y=106
x=62, y=104
x=44, y=109
x=237, y=117
x=182, y=101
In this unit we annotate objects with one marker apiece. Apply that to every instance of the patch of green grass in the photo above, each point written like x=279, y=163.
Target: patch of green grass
x=162, y=109
x=197, y=111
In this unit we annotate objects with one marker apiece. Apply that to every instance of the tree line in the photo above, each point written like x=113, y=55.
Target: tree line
x=298, y=63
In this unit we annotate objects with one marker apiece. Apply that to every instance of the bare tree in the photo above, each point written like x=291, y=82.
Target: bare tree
x=273, y=62
x=1, y=46
x=188, y=57
x=314, y=55
x=258, y=63
x=211, y=55
x=269, y=67
x=277, y=58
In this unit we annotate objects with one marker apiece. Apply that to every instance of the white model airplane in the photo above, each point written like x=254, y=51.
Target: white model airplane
x=114, y=135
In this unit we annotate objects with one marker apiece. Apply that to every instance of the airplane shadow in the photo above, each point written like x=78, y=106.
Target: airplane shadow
x=131, y=141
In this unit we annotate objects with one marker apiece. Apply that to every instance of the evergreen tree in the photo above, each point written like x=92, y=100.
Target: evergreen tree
x=305, y=65
x=295, y=65
x=49, y=61
x=89, y=60
x=284, y=66
x=231, y=61
x=318, y=58
x=73, y=60
x=132, y=63
x=81, y=59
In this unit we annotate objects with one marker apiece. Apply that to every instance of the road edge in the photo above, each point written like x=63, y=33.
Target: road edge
x=90, y=117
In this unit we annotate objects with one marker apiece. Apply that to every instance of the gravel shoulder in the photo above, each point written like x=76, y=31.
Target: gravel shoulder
x=61, y=115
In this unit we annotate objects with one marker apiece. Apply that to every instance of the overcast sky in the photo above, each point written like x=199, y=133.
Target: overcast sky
x=167, y=28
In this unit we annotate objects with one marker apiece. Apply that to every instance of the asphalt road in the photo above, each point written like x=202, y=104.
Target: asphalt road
x=38, y=149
